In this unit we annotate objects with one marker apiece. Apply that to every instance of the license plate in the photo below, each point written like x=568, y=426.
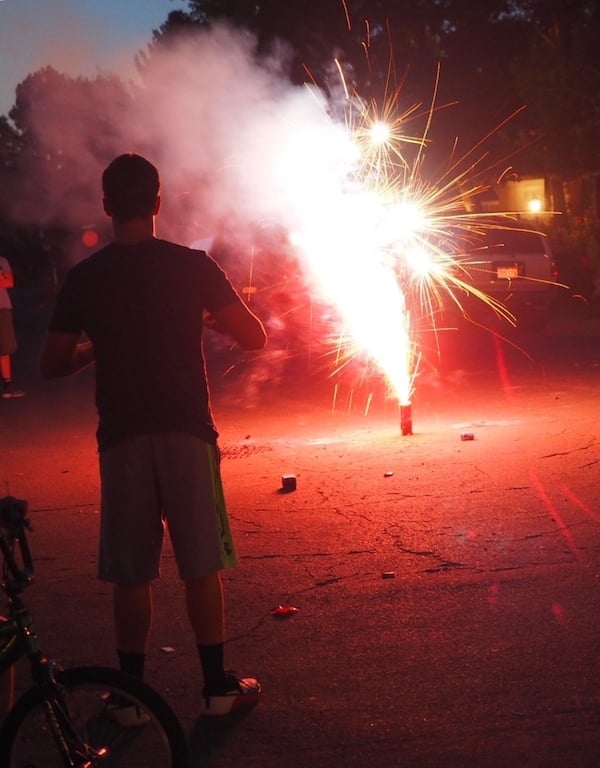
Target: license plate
x=507, y=273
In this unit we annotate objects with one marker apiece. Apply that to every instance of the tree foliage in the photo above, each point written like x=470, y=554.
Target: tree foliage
x=558, y=76
x=63, y=123
x=495, y=56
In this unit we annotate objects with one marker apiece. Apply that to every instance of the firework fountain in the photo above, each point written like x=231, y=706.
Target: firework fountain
x=377, y=240
x=373, y=238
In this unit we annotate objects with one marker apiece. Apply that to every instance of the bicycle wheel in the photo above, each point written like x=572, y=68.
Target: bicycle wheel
x=93, y=729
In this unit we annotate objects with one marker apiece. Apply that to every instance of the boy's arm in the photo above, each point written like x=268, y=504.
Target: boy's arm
x=236, y=320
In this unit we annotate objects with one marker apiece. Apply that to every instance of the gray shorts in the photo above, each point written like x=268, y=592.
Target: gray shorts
x=150, y=481
x=8, y=342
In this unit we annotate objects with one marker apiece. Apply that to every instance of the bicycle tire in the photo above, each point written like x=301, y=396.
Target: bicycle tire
x=26, y=740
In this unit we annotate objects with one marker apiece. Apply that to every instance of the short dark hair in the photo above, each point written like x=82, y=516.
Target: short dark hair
x=130, y=185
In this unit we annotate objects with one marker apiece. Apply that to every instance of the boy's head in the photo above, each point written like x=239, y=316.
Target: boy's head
x=131, y=187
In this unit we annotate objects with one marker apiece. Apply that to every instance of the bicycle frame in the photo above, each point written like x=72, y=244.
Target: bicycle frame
x=12, y=647
x=18, y=640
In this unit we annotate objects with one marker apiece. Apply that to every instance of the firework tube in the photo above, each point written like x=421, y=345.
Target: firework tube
x=406, y=419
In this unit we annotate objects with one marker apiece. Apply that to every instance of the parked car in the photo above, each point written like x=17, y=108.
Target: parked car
x=513, y=265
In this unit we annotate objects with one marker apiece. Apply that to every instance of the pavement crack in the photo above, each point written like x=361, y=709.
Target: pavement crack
x=568, y=453
x=326, y=582
x=446, y=565
x=419, y=552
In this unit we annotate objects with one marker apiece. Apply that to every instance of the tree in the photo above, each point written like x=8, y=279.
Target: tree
x=68, y=128
x=11, y=147
x=559, y=78
x=64, y=130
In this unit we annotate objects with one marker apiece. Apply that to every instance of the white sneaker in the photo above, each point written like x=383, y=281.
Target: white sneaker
x=12, y=394
x=235, y=694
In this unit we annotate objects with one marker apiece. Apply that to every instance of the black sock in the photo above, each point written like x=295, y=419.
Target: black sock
x=132, y=663
x=211, y=661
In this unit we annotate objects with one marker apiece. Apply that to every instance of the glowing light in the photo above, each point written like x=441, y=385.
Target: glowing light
x=379, y=133
x=383, y=242
x=420, y=261
x=535, y=205
x=373, y=234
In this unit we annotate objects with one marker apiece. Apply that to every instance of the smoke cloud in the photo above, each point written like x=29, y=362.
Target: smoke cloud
x=246, y=159
x=239, y=149
x=219, y=125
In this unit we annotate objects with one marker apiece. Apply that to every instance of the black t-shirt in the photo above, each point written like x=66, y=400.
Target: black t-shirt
x=141, y=307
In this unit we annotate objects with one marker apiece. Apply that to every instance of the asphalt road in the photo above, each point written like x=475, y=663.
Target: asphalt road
x=447, y=590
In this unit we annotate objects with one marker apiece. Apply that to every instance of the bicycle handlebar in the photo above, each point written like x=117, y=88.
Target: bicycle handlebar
x=13, y=525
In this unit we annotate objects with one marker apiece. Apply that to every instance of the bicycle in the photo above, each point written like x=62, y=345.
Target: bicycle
x=82, y=717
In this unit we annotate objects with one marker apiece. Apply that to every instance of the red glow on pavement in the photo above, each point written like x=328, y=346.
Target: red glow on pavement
x=549, y=504
x=558, y=611
x=502, y=367
x=493, y=596
x=582, y=505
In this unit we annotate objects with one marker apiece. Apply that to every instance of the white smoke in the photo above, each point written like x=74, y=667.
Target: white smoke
x=217, y=115
x=237, y=146
x=235, y=142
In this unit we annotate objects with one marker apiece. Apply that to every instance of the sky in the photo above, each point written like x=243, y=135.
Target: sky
x=76, y=37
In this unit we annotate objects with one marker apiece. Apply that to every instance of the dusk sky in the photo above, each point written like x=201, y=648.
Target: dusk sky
x=77, y=37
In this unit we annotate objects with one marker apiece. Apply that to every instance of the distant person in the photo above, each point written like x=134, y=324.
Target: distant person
x=142, y=303
x=8, y=341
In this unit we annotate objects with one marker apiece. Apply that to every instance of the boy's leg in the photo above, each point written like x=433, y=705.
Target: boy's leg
x=132, y=606
x=205, y=608
x=204, y=602
x=223, y=692
x=192, y=494
x=131, y=534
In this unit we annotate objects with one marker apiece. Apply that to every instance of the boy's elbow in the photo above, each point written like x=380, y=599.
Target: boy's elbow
x=237, y=321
